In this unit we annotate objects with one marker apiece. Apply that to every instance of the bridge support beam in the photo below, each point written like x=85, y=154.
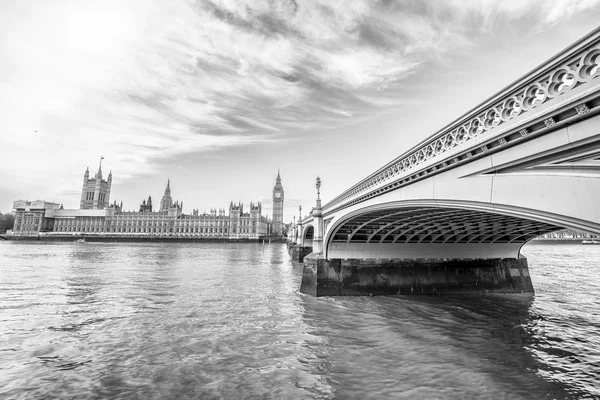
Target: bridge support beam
x=298, y=252
x=364, y=277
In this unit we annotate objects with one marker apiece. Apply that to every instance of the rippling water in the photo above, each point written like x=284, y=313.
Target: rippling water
x=226, y=321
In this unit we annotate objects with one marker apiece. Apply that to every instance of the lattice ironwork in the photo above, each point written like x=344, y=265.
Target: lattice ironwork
x=439, y=225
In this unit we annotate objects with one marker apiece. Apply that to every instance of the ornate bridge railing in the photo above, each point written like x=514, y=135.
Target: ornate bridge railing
x=503, y=120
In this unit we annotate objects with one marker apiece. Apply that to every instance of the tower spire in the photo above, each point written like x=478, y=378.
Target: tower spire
x=166, y=202
x=100, y=166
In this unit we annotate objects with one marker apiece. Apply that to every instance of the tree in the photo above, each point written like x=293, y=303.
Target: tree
x=7, y=221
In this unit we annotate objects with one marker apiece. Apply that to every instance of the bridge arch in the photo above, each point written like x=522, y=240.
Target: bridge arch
x=308, y=233
x=440, y=229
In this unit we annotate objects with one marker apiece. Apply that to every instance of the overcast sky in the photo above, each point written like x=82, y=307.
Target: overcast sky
x=217, y=95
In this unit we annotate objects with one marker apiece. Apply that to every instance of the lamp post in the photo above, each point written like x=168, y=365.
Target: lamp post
x=318, y=188
x=318, y=217
x=300, y=239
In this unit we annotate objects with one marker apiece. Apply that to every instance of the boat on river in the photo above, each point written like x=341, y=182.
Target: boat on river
x=82, y=240
x=590, y=242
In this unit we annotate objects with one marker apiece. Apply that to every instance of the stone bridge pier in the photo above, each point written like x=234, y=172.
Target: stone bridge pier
x=419, y=250
x=371, y=277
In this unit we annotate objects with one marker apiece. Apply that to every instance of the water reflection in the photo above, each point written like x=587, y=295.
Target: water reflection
x=429, y=347
x=81, y=277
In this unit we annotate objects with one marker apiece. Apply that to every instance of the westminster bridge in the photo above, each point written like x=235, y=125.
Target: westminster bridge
x=452, y=213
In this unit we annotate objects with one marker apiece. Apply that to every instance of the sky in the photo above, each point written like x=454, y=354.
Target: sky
x=217, y=96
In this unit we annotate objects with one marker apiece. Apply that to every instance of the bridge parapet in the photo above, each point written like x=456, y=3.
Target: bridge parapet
x=558, y=92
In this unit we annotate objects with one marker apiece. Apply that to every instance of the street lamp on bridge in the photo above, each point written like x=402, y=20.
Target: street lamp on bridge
x=318, y=187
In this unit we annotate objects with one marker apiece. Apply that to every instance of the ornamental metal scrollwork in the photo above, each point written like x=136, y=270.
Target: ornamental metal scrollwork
x=490, y=119
x=511, y=108
x=461, y=135
x=532, y=96
x=474, y=129
x=590, y=64
x=582, y=109
x=439, y=147
x=449, y=141
x=429, y=152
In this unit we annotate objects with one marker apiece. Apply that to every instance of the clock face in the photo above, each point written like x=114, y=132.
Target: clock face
x=277, y=195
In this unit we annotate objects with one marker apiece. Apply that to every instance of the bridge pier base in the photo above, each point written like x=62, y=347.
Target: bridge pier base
x=364, y=277
x=299, y=252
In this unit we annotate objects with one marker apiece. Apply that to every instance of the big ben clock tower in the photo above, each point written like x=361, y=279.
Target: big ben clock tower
x=278, y=207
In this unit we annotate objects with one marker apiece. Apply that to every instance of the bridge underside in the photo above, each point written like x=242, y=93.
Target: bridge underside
x=424, y=250
x=433, y=232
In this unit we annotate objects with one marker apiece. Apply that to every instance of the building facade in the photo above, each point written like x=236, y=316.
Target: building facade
x=30, y=217
x=278, y=207
x=247, y=225
x=35, y=218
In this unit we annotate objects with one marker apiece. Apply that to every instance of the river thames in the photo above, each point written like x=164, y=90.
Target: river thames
x=226, y=321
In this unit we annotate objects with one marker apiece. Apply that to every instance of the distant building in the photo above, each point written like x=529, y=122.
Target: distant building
x=166, y=202
x=95, y=193
x=97, y=217
x=278, y=207
x=146, y=206
x=30, y=217
x=247, y=225
x=567, y=234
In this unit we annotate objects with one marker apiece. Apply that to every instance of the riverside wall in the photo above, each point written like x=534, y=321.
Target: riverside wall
x=133, y=239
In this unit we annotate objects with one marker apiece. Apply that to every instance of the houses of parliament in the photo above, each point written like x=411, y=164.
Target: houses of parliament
x=96, y=216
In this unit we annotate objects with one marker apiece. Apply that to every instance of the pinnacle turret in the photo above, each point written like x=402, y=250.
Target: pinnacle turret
x=99, y=173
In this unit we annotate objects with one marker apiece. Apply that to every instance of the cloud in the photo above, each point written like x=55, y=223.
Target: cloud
x=145, y=81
